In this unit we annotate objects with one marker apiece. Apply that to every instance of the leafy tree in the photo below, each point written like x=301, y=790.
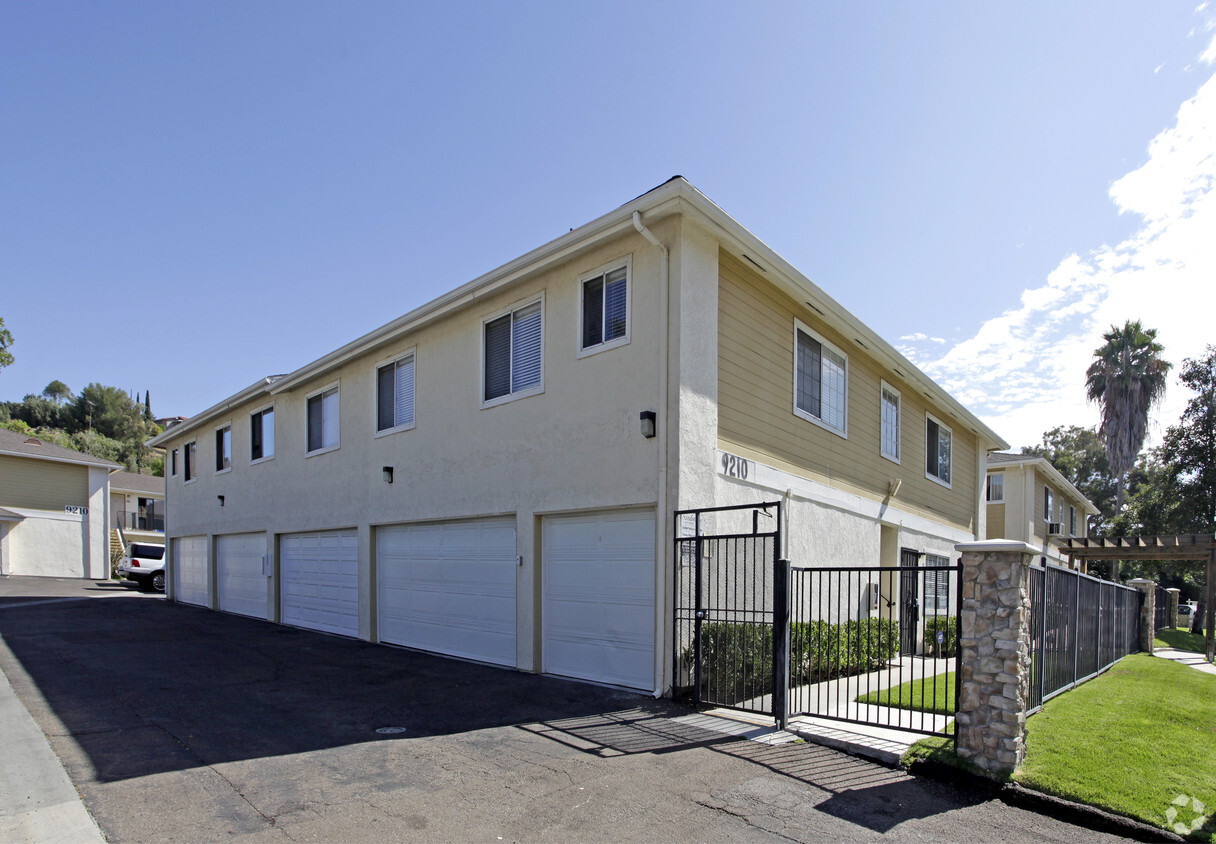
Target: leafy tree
x=6, y=340
x=108, y=410
x=1126, y=379
x=57, y=391
x=1079, y=455
x=1190, y=447
x=38, y=412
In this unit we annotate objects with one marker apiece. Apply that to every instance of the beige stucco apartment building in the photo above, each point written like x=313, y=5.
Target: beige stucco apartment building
x=1030, y=501
x=493, y=475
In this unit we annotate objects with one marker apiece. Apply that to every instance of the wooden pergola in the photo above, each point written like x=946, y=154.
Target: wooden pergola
x=1199, y=547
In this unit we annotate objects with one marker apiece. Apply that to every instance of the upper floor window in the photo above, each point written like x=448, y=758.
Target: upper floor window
x=188, y=461
x=1072, y=521
x=323, y=420
x=223, y=448
x=395, y=394
x=605, y=308
x=889, y=409
x=821, y=374
x=1048, y=503
x=996, y=487
x=938, y=445
x=173, y=463
x=513, y=352
x=261, y=434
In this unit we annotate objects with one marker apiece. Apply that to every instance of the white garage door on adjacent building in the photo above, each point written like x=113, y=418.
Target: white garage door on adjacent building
x=240, y=581
x=319, y=581
x=191, y=572
x=598, y=597
x=449, y=588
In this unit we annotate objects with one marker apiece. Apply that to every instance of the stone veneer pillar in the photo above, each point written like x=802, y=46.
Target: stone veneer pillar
x=994, y=645
x=1174, y=595
x=1148, y=612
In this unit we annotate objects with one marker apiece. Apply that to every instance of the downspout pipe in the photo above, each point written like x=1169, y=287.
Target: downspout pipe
x=661, y=538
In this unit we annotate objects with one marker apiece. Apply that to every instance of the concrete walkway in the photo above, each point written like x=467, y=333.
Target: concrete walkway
x=1194, y=660
x=38, y=802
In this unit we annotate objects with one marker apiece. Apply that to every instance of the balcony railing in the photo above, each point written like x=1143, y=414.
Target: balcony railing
x=134, y=521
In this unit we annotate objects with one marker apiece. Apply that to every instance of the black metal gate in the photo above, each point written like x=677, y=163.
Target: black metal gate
x=725, y=564
x=873, y=645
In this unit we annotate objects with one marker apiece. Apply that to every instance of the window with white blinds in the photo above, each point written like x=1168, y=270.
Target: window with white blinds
x=513, y=351
x=605, y=307
x=821, y=374
x=938, y=450
x=323, y=420
x=395, y=395
x=889, y=407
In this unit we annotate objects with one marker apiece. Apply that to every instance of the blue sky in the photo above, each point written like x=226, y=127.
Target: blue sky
x=193, y=195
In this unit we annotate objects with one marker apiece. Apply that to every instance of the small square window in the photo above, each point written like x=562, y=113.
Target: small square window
x=605, y=309
x=322, y=420
x=996, y=488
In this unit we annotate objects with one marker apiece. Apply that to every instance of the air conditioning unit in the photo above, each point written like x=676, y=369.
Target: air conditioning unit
x=1055, y=529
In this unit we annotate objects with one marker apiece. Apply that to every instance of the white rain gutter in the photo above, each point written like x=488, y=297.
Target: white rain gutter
x=664, y=403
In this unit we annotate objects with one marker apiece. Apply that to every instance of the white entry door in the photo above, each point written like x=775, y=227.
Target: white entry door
x=319, y=581
x=598, y=597
x=240, y=582
x=191, y=573
x=449, y=588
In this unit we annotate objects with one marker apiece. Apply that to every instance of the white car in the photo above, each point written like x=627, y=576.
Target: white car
x=144, y=562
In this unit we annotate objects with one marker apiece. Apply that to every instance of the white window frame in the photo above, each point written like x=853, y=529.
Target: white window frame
x=1072, y=520
x=411, y=352
x=534, y=390
x=173, y=462
x=186, y=461
x=324, y=449
x=227, y=426
x=941, y=426
x=884, y=387
x=988, y=488
x=1048, y=503
x=603, y=346
x=842, y=432
x=940, y=579
x=266, y=457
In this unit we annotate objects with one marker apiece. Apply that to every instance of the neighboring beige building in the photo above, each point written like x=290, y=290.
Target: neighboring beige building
x=53, y=509
x=1030, y=501
x=493, y=475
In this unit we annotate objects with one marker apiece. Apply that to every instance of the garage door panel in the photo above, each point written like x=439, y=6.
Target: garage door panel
x=449, y=588
x=240, y=582
x=191, y=570
x=598, y=600
x=319, y=581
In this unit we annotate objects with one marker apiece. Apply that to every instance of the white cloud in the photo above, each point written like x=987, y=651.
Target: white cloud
x=1023, y=372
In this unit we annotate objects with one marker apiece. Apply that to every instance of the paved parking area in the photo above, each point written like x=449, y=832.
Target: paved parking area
x=181, y=724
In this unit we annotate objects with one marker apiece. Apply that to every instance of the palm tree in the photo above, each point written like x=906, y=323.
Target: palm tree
x=1126, y=379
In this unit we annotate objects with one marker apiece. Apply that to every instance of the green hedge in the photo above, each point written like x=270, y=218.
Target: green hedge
x=737, y=658
x=948, y=624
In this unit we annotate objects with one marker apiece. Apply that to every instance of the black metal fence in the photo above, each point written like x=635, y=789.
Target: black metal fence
x=724, y=594
x=1162, y=617
x=1079, y=626
x=876, y=645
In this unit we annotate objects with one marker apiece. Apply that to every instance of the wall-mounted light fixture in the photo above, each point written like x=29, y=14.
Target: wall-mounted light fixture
x=221, y=500
x=648, y=423
x=387, y=474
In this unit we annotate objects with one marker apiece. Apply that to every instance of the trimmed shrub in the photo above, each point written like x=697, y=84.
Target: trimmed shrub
x=948, y=625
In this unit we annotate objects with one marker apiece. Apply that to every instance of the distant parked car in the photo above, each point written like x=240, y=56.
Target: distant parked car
x=144, y=562
x=1185, y=612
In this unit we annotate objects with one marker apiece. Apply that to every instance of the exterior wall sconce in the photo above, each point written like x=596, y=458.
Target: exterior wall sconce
x=648, y=424
x=387, y=474
x=221, y=500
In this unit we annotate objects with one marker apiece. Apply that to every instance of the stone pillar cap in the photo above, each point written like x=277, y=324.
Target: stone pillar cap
x=1173, y=589
x=1141, y=581
x=990, y=546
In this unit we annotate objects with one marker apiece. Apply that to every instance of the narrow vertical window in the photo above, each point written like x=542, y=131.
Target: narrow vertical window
x=820, y=380
x=996, y=487
x=223, y=448
x=938, y=447
x=322, y=413
x=1048, y=504
x=1072, y=521
x=261, y=434
x=606, y=309
x=189, y=461
x=173, y=463
x=395, y=394
x=889, y=410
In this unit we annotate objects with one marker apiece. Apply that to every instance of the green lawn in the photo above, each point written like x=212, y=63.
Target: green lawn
x=920, y=695
x=1179, y=639
x=1130, y=741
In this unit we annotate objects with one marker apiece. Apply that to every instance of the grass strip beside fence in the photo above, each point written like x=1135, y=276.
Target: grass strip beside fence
x=930, y=694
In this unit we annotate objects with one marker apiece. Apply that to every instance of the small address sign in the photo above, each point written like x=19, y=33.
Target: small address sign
x=736, y=467
x=74, y=510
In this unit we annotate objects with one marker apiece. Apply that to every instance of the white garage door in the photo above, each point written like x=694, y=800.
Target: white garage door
x=449, y=588
x=190, y=570
x=598, y=608
x=319, y=581
x=240, y=583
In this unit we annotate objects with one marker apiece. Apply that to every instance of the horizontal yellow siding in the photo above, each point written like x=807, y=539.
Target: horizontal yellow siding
x=996, y=522
x=41, y=484
x=756, y=407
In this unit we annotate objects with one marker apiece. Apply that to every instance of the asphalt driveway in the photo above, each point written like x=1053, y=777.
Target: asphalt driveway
x=182, y=724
